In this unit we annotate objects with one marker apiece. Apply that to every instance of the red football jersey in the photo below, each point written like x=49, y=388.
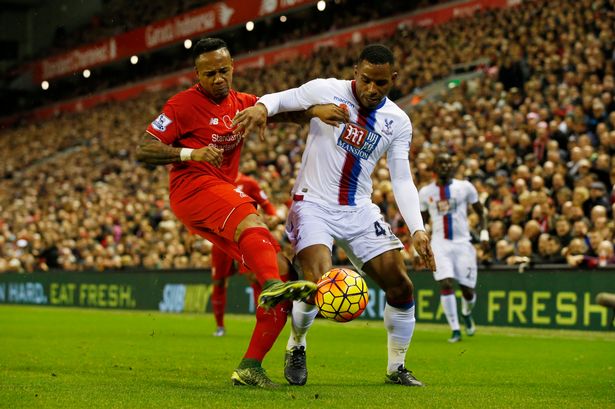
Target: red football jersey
x=190, y=119
x=250, y=187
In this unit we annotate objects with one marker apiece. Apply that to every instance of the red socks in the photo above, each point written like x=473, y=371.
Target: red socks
x=218, y=303
x=269, y=324
x=259, y=250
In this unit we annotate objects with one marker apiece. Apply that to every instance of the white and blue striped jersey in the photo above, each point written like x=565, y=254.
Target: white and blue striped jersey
x=448, y=208
x=338, y=162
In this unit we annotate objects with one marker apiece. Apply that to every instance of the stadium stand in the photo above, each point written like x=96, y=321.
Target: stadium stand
x=116, y=18
x=535, y=133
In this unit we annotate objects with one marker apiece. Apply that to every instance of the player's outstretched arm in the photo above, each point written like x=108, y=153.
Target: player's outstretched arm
x=154, y=152
x=407, y=198
x=251, y=119
x=330, y=114
x=291, y=100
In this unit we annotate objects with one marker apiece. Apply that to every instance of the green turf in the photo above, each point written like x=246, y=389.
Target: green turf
x=73, y=358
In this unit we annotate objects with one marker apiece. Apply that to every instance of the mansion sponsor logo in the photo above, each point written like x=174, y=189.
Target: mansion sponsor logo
x=358, y=141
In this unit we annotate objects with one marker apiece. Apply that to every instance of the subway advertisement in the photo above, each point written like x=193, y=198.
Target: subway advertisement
x=536, y=298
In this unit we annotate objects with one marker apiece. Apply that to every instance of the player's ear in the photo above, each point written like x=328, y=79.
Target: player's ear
x=356, y=70
x=394, y=76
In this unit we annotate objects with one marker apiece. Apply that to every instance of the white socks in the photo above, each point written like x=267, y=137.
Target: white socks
x=400, y=327
x=466, y=306
x=449, y=305
x=302, y=318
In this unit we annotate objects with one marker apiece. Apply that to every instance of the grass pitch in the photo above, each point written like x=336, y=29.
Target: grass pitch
x=74, y=358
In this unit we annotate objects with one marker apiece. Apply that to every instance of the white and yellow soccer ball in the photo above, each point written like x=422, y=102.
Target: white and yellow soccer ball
x=342, y=295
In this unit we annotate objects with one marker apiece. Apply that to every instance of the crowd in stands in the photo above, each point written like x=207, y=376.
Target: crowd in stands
x=535, y=134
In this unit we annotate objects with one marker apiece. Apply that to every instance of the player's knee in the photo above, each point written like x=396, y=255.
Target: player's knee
x=250, y=221
x=400, y=293
x=467, y=292
x=312, y=273
x=446, y=284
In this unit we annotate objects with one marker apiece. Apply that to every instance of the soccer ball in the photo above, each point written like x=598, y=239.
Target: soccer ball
x=341, y=295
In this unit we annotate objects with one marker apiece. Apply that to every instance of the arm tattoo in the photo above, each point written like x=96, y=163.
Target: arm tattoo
x=154, y=152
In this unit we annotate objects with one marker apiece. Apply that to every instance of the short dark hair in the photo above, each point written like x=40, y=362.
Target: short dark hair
x=207, y=44
x=377, y=54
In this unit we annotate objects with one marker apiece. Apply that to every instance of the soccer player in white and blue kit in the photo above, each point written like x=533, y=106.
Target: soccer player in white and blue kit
x=332, y=198
x=446, y=202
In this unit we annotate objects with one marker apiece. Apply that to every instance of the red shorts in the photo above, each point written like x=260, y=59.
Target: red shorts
x=214, y=212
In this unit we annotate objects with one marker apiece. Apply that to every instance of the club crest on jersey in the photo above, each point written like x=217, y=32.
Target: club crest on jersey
x=161, y=123
x=388, y=125
x=241, y=194
x=358, y=141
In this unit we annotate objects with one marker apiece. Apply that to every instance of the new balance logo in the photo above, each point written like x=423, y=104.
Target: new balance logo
x=214, y=121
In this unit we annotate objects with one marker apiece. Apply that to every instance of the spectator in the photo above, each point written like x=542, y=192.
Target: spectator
x=597, y=197
x=563, y=230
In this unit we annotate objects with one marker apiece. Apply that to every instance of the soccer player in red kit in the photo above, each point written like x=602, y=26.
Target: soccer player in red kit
x=194, y=132
x=222, y=266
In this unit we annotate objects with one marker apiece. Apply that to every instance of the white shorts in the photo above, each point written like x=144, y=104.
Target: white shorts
x=360, y=231
x=455, y=260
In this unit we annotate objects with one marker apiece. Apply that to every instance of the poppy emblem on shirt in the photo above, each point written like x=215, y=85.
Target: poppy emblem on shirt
x=228, y=122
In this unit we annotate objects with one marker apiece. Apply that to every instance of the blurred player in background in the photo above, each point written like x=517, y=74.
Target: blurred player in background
x=223, y=266
x=446, y=202
x=194, y=132
x=332, y=199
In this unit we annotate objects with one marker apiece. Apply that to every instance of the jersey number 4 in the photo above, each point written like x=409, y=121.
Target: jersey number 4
x=380, y=230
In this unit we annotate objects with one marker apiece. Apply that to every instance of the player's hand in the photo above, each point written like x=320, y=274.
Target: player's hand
x=252, y=119
x=330, y=114
x=209, y=154
x=420, y=241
